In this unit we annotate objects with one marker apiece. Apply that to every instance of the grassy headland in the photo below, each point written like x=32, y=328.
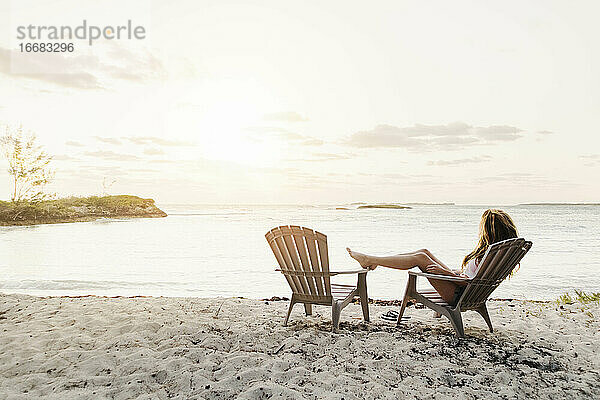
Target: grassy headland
x=77, y=209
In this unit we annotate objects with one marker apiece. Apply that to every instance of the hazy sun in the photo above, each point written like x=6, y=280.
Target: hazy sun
x=217, y=114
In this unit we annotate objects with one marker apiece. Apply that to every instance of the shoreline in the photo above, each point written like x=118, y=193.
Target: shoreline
x=372, y=301
x=54, y=221
x=77, y=209
x=226, y=348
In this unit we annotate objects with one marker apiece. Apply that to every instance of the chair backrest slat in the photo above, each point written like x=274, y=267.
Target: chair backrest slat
x=289, y=265
x=483, y=280
x=298, y=251
x=497, y=263
x=279, y=257
x=293, y=253
x=298, y=237
x=311, y=245
x=491, y=260
x=509, y=263
x=520, y=252
x=324, y=257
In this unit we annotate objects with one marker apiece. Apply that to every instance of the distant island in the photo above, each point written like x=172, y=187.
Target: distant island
x=559, y=204
x=432, y=204
x=392, y=206
x=77, y=209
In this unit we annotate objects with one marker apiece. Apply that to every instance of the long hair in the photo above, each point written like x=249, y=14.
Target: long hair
x=495, y=226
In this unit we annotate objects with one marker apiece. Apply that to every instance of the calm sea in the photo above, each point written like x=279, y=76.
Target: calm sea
x=210, y=251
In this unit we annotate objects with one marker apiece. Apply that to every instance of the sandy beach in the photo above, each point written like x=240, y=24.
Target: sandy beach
x=148, y=348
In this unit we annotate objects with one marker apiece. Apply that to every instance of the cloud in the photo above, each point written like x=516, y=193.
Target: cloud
x=591, y=157
x=73, y=143
x=153, y=152
x=157, y=141
x=503, y=133
x=296, y=178
x=328, y=157
x=32, y=65
x=96, y=171
x=524, y=179
x=384, y=175
x=62, y=157
x=461, y=161
x=109, y=140
x=111, y=155
x=312, y=142
x=591, y=160
x=511, y=176
x=260, y=133
x=144, y=63
x=286, y=116
x=419, y=137
x=83, y=71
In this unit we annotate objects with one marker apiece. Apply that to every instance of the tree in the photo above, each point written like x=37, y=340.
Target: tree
x=28, y=165
x=107, y=184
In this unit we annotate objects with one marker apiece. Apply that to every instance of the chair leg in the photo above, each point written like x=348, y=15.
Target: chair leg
x=287, y=317
x=410, y=285
x=364, y=298
x=456, y=321
x=308, y=309
x=335, y=316
x=484, y=313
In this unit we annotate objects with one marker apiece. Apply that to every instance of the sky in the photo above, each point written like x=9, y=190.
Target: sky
x=260, y=102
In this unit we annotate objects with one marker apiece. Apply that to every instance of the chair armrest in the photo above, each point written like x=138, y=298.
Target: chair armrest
x=440, y=277
x=358, y=271
x=330, y=273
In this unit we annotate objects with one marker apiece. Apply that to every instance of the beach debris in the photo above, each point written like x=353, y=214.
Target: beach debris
x=279, y=349
x=219, y=310
x=276, y=298
x=160, y=376
x=385, y=303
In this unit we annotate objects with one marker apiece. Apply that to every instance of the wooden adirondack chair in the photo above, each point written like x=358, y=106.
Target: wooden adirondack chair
x=304, y=262
x=497, y=263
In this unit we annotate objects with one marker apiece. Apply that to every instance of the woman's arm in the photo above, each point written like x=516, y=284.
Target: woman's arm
x=441, y=270
x=435, y=259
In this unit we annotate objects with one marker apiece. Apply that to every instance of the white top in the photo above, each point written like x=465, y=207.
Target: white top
x=471, y=269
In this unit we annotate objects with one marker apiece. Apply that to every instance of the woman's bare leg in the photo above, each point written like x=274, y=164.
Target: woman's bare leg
x=399, y=261
x=419, y=259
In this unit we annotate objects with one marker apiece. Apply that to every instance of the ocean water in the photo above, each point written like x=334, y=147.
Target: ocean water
x=210, y=251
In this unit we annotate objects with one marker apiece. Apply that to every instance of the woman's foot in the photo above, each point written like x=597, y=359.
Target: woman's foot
x=363, y=259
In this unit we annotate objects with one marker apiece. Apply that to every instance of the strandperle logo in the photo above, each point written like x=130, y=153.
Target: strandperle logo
x=83, y=31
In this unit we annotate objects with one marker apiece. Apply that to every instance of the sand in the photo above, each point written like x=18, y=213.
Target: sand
x=188, y=348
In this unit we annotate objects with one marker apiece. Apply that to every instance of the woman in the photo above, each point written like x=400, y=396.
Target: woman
x=495, y=226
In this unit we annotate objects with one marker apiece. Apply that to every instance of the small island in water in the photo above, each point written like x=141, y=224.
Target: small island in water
x=393, y=206
x=77, y=209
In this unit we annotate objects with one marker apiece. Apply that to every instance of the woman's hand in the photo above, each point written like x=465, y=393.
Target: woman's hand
x=436, y=269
